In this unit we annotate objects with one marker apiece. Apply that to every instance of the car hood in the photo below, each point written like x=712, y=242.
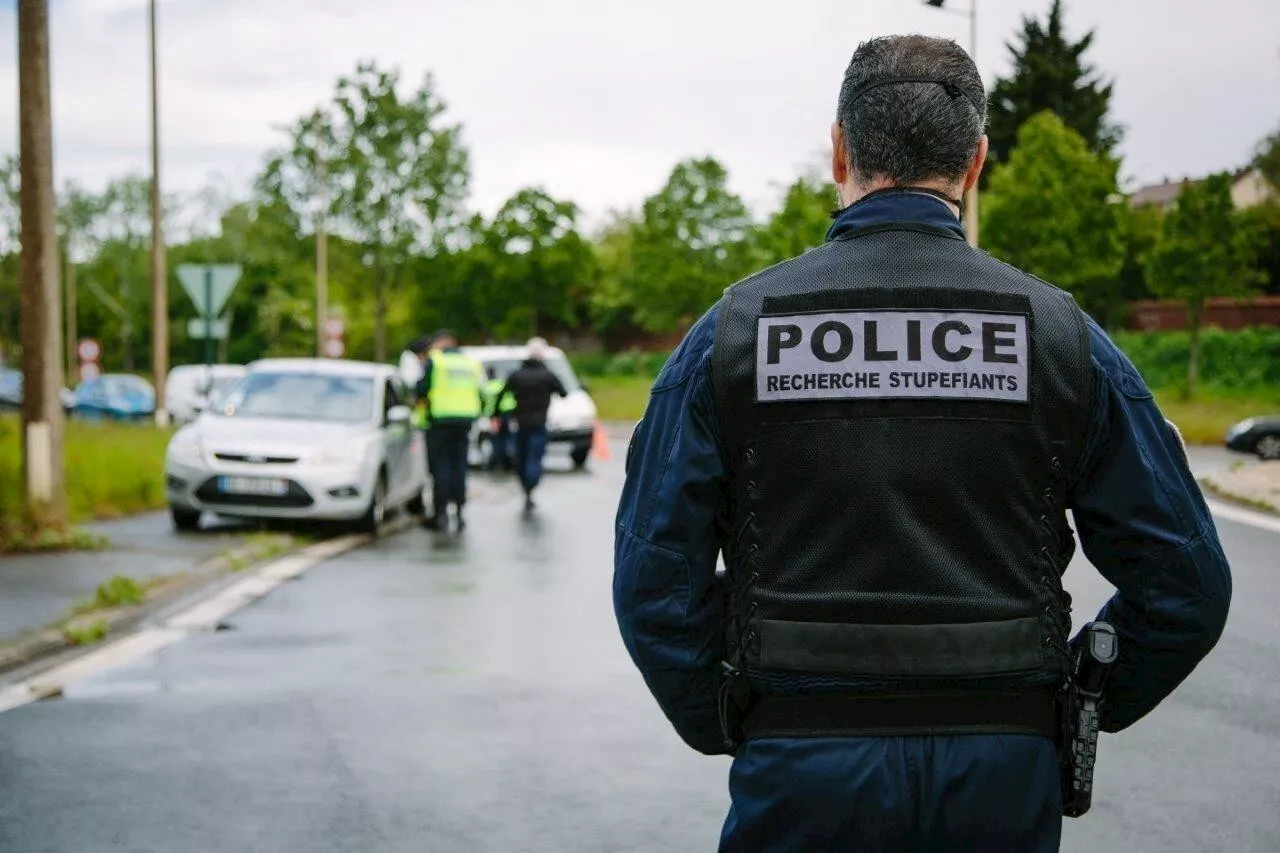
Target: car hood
x=575, y=411
x=274, y=437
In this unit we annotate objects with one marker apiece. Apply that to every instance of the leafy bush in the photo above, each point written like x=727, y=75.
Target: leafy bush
x=118, y=591
x=1241, y=360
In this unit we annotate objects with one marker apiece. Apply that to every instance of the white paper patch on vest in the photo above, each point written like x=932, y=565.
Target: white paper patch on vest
x=893, y=354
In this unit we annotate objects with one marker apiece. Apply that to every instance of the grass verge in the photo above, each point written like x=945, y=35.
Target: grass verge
x=1204, y=419
x=111, y=470
x=620, y=398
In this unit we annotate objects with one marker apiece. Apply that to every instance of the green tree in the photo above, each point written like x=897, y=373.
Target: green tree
x=1139, y=232
x=114, y=280
x=394, y=176
x=1205, y=249
x=1053, y=210
x=540, y=265
x=610, y=302
x=1263, y=221
x=799, y=224
x=692, y=242
x=1050, y=73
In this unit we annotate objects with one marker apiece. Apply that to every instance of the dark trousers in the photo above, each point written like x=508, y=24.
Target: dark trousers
x=503, y=446
x=531, y=445
x=447, y=460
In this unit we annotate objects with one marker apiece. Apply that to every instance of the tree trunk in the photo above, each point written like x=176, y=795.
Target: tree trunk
x=1195, y=310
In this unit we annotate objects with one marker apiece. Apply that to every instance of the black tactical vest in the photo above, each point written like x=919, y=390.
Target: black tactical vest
x=899, y=413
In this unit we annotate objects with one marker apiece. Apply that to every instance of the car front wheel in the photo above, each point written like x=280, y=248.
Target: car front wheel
x=377, y=511
x=1268, y=447
x=579, y=455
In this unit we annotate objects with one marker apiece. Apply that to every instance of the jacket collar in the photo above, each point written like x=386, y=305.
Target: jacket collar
x=896, y=204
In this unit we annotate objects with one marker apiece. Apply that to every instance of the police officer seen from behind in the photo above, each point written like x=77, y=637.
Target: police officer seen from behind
x=532, y=385
x=883, y=437
x=451, y=385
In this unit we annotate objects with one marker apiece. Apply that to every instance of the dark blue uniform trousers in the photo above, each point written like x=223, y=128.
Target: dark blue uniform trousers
x=447, y=461
x=954, y=793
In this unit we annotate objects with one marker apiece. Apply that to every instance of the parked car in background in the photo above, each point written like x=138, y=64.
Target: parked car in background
x=190, y=388
x=115, y=397
x=11, y=392
x=571, y=420
x=1256, y=435
x=300, y=439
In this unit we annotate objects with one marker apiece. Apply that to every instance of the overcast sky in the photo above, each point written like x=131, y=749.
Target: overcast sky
x=595, y=100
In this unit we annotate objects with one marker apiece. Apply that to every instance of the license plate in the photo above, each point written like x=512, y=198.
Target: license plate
x=270, y=486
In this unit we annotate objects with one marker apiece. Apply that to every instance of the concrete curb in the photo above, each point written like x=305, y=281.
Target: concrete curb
x=50, y=644
x=1209, y=485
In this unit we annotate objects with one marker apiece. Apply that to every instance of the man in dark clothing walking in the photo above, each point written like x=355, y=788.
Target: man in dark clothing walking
x=532, y=385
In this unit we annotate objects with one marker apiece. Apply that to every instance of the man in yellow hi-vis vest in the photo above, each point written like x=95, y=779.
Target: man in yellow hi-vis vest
x=451, y=386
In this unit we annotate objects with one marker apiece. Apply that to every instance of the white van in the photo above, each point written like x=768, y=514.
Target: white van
x=571, y=420
x=190, y=388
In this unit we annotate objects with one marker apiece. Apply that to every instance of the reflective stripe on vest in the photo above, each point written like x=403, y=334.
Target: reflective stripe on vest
x=455, y=386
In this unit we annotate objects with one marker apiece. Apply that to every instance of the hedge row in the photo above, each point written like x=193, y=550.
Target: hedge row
x=1244, y=359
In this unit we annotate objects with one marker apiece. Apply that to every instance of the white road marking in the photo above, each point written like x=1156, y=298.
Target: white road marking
x=1245, y=516
x=203, y=616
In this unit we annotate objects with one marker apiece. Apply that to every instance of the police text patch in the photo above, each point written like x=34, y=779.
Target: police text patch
x=893, y=354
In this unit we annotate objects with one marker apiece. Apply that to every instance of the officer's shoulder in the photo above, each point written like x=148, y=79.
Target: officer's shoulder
x=1035, y=281
x=818, y=256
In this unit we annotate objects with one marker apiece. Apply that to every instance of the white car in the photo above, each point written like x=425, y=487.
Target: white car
x=191, y=388
x=300, y=439
x=571, y=420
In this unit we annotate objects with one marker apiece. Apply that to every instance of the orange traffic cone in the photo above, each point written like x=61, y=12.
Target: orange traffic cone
x=600, y=443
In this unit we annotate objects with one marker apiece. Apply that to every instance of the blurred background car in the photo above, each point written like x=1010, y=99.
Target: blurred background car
x=11, y=392
x=1256, y=435
x=571, y=420
x=191, y=388
x=115, y=397
x=300, y=439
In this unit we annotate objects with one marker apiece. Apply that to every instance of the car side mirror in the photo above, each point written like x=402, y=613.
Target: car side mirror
x=398, y=415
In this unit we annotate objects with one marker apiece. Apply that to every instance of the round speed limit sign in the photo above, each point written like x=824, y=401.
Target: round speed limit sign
x=89, y=350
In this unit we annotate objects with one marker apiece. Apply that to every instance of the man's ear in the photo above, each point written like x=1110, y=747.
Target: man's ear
x=975, y=167
x=839, y=155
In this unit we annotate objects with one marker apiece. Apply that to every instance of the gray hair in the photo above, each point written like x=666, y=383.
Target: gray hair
x=912, y=131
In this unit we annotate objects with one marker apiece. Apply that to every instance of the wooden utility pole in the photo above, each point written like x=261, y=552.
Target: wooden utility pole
x=42, y=426
x=159, y=282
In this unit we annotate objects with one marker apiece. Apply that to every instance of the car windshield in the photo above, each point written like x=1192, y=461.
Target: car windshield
x=300, y=396
x=559, y=365
x=222, y=385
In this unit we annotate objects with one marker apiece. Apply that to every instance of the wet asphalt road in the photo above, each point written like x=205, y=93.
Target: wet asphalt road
x=435, y=692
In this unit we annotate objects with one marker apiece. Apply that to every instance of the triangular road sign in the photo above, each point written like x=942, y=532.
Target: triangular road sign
x=221, y=278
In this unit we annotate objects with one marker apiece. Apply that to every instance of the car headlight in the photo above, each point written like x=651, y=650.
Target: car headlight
x=187, y=446
x=339, y=454
x=1240, y=428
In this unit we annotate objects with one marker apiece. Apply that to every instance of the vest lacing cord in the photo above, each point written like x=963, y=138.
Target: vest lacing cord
x=1057, y=608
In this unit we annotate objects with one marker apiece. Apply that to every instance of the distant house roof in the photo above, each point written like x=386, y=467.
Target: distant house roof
x=1161, y=195
x=1247, y=185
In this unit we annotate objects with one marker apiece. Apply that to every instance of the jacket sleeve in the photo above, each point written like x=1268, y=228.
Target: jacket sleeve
x=666, y=547
x=1143, y=523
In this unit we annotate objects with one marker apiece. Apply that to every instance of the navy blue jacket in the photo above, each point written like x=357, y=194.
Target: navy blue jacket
x=1140, y=519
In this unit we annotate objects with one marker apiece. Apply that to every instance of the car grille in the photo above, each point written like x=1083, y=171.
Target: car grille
x=254, y=459
x=296, y=498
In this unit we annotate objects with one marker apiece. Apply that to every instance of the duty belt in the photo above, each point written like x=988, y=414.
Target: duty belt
x=1032, y=712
